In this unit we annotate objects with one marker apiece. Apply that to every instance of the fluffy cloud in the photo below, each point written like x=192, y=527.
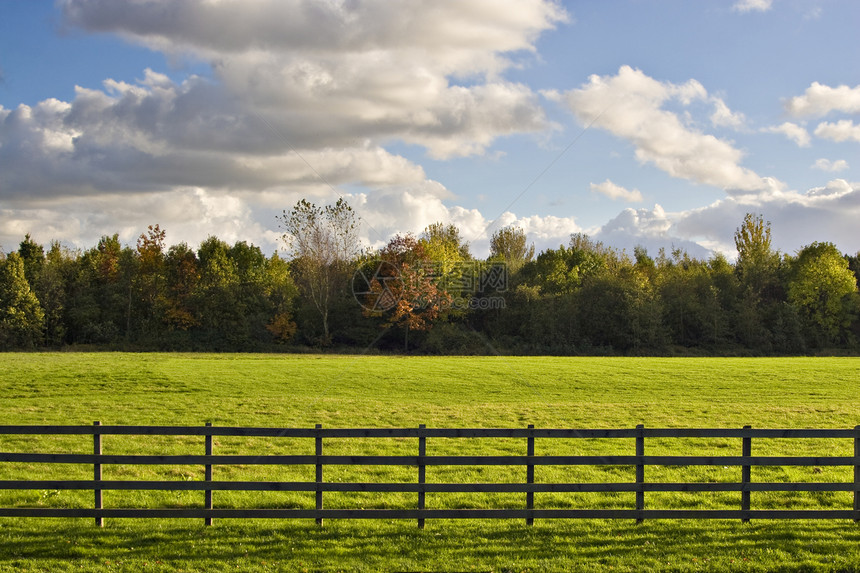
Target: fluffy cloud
x=615, y=192
x=337, y=71
x=752, y=5
x=303, y=98
x=792, y=131
x=631, y=105
x=233, y=26
x=843, y=130
x=141, y=138
x=652, y=229
x=725, y=117
x=410, y=210
x=827, y=213
x=827, y=165
x=819, y=100
x=187, y=214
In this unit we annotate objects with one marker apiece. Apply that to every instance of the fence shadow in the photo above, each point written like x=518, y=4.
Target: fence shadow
x=345, y=544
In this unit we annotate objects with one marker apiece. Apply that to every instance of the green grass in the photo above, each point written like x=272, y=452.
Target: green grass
x=374, y=391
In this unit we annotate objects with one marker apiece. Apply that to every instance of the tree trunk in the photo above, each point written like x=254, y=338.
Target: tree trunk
x=326, y=339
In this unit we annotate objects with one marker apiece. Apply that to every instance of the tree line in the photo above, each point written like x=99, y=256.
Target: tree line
x=428, y=294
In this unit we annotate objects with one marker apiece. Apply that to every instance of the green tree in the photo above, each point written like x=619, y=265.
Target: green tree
x=444, y=242
x=562, y=270
x=218, y=311
x=21, y=316
x=510, y=246
x=252, y=292
x=52, y=290
x=33, y=256
x=101, y=294
x=182, y=274
x=760, y=293
x=449, y=265
x=282, y=294
x=823, y=289
x=757, y=261
x=691, y=301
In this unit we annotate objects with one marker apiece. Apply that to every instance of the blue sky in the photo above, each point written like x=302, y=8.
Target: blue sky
x=657, y=123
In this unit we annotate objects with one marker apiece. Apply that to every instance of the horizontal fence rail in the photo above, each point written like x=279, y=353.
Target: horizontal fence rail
x=638, y=461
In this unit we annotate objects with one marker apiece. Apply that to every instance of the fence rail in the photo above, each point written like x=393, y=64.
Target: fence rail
x=639, y=461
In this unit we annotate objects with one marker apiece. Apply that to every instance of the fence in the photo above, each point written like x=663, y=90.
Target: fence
x=420, y=461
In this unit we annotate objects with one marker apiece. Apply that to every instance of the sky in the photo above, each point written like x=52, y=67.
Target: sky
x=657, y=123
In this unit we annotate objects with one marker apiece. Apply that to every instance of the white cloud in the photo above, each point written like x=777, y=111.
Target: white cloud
x=411, y=210
x=725, y=117
x=188, y=215
x=827, y=213
x=842, y=130
x=834, y=188
x=630, y=105
x=819, y=100
x=304, y=97
x=792, y=131
x=649, y=228
x=335, y=71
x=233, y=26
x=752, y=5
x=615, y=192
x=827, y=165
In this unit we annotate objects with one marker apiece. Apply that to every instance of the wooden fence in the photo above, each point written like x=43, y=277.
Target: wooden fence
x=420, y=461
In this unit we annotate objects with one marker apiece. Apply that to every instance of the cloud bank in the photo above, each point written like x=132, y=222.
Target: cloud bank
x=305, y=99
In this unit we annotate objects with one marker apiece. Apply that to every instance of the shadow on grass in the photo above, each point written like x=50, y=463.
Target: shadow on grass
x=443, y=545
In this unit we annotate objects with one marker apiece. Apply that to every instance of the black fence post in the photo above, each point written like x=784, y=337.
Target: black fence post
x=422, y=471
x=530, y=474
x=97, y=475
x=319, y=476
x=746, y=476
x=208, y=474
x=856, y=474
x=640, y=472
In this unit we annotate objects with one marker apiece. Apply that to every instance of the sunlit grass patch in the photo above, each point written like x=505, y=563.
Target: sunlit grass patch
x=379, y=392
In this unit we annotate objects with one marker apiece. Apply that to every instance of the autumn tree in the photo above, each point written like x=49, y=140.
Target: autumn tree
x=150, y=280
x=101, y=293
x=323, y=243
x=406, y=285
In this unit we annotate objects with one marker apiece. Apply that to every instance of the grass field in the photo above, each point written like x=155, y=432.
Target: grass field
x=375, y=391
